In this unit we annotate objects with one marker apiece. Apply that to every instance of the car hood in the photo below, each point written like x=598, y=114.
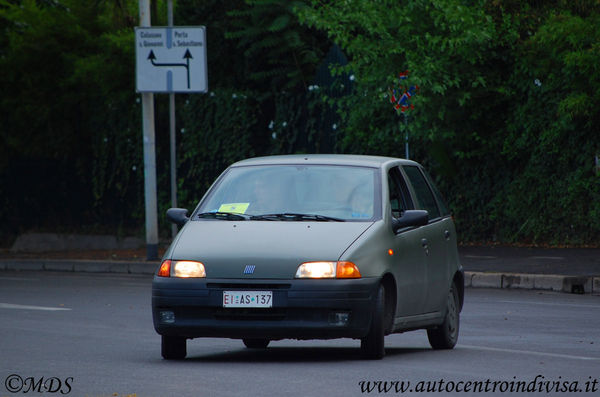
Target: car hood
x=274, y=248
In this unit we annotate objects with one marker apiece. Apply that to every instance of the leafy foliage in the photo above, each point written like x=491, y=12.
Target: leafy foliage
x=216, y=130
x=506, y=114
x=276, y=49
x=258, y=49
x=555, y=193
x=68, y=138
x=516, y=158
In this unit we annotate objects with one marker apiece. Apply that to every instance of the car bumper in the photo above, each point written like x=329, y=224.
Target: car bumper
x=302, y=309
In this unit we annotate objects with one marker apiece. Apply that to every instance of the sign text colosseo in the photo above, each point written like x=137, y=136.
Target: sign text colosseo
x=171, y=59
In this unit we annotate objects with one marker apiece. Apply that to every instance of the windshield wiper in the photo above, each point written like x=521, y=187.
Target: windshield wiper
x=290, y=216
x=225, y=216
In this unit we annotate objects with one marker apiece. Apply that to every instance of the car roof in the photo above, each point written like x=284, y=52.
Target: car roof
x=325, y=159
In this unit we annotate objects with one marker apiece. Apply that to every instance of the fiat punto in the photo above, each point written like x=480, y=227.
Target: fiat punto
x=312, y=247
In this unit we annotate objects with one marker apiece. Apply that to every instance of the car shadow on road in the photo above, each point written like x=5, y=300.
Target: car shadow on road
x=297, y=354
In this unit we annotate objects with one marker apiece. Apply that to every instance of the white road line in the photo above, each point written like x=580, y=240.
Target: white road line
x=513, y=351
x=481, y=257
x=19, y=279
x=552, y=258
x=27, y=307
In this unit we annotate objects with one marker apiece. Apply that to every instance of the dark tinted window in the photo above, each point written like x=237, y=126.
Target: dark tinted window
x=399, y=197
x=425, y=197
x=440, y=200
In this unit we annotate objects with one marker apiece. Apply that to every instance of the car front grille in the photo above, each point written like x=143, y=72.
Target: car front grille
x=250, y=314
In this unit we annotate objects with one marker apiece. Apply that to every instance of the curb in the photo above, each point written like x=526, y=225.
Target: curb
x=80, y=265
x=549, y=282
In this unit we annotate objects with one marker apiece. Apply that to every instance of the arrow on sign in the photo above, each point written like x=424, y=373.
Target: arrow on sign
x=187, y=56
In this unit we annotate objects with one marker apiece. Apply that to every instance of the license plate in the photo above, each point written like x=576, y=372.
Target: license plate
x=247, y=298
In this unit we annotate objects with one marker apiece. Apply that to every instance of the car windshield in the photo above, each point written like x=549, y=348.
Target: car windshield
x=294, y=193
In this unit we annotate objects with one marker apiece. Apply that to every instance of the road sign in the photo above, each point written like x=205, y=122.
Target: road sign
x=171, y=59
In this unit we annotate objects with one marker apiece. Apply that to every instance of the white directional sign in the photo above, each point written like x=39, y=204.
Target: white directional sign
x=171, y=59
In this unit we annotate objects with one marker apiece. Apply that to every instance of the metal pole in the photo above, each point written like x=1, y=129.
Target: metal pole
x=149, y=156
x=170, y=12
x=172, y=133
x=406, y=137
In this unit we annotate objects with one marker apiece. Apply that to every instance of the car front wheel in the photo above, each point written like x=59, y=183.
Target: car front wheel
x=372, y=346
x=173, y=347
x=446, y=335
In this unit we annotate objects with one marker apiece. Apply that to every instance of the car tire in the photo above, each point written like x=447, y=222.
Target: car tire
x=173, y=347
x=256, y=343
x=372, y=346
x=446, y=335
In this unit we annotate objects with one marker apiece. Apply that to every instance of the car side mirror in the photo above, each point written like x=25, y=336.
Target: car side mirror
x=178, y=216
x=410, y=218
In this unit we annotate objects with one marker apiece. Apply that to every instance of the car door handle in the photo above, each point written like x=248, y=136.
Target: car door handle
x=424, y=243
x=447, y=234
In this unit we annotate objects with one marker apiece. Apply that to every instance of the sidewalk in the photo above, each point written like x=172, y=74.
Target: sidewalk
x=573, y=270
x=566, y=270
x=132, y=261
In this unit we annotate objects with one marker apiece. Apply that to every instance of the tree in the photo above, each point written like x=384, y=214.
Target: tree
x=455, y=53
x=68, y=137
x=504, y=138
x=554, y=195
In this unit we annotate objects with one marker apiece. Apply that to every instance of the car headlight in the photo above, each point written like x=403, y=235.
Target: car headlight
x=183, y=269
x=328, y=270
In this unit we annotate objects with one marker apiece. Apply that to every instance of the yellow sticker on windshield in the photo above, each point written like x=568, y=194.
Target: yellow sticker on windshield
x=234, y=208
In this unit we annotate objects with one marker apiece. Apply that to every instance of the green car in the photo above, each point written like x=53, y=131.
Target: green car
x=312, y=247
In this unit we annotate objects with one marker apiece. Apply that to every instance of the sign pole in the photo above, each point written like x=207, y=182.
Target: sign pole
x=172, y=134
x=149, y=156
x=406, y=136
x=401, y=101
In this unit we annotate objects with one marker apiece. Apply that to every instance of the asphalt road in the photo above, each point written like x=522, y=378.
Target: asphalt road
x=93, y=334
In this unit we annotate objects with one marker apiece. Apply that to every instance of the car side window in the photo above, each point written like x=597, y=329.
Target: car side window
x=438, y=196
x=425, y=197
x=399, y=197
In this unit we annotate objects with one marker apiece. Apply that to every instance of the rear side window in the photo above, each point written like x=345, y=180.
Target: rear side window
x=425, y=198
x=399, y=196
x=438, y=196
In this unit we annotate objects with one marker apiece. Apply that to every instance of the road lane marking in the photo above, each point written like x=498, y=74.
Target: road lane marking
x=27, y=307
x=19, y=279
x=553, y=258
x=480, y=257
x=554, y=355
